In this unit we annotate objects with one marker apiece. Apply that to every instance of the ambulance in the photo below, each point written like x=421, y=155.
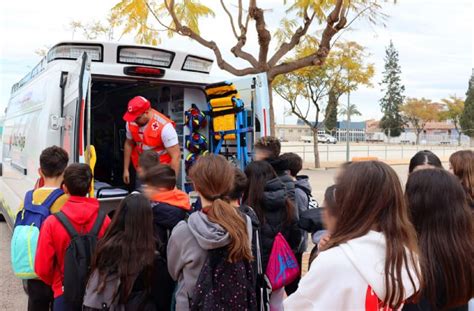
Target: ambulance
x=77, y=94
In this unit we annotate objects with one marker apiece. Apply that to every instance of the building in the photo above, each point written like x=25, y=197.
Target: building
x=301, y=131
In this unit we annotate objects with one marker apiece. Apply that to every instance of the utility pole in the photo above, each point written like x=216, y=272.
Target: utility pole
x=348, y=120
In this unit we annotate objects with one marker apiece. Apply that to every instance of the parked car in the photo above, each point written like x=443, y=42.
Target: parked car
x=326, y=138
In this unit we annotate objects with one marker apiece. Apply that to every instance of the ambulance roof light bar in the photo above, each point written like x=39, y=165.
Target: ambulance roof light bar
x=145, y=56
x=74, y=51
x=197, y=64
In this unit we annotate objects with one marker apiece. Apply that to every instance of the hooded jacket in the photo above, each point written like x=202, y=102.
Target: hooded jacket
x=54, y=239
x=348, y=277
x=302, y=193
x=187, y=252
x=274, y=219
x=169, y=208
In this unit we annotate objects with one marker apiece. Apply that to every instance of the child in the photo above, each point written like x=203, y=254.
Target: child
x=321, y=238
x=370, y=262
x=53, y=161
x=129, y=263
x=170, y=205
x=215, y=237
x=267, y=195
x=54, y=239
x=294, y=164
x=444, y=225
x=268, y=149
x=146, y=161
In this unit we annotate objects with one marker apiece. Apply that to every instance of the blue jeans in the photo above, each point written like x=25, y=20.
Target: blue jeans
x=61, y=305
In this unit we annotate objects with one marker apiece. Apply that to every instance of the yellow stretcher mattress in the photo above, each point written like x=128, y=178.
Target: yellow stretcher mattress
x=225, y=122
x=221, y=90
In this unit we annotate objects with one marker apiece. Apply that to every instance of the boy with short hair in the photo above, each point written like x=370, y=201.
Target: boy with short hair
x=268, y=149
x=146, y=161
x=170, y=205
x=53, y=161
x=81, y=212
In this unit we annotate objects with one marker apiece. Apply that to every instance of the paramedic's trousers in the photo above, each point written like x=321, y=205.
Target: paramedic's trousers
x=40, y=295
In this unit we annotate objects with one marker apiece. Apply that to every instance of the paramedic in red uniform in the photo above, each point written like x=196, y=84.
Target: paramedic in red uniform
x=148, y=129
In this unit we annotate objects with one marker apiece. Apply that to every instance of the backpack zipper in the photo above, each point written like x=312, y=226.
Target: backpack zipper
x=30, y=255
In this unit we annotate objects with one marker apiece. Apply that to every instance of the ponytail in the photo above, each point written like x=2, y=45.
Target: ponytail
x=224, y=214
x=206, y=175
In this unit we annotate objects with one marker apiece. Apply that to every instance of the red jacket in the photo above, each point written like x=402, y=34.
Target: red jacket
x=54, y=239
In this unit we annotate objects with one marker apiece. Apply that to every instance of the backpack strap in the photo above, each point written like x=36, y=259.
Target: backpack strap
x=98, y=223
x=52, y=197
x=66, y=224
x=29, y=197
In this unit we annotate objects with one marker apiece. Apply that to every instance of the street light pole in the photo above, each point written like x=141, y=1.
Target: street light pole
x=348, y=119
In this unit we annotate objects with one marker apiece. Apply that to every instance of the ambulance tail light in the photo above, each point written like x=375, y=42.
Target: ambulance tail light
x=197, y=64
x=144, y=71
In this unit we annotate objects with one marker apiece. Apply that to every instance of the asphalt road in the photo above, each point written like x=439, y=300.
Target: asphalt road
x=12, y=296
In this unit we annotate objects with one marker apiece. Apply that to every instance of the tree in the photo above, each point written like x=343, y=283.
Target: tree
x=330, y=119
x=418, y=112
x=347, y=70
x=455, y=109
x=183, y=17
x=467, y=119
x=306, y=90
x=350, y=111
x=392, y=122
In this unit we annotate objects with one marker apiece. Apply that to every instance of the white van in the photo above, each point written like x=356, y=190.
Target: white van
x=76, y=97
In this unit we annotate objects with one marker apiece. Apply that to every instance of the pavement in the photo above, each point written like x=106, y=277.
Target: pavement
x=12, y=296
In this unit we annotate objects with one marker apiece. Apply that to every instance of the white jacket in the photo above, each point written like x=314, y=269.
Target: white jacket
x=347, y=277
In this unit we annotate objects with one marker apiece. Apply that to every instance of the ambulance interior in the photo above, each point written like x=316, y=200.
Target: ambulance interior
x=109, y=101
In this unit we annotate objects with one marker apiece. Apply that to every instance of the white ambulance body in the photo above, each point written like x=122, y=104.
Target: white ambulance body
x=76, y=97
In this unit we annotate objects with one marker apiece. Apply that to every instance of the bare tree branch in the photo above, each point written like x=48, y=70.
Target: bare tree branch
x=230, y=19
x=335, y=22
x=240, y=17
x=264, y=36
x=186, y=31
x=295, y=40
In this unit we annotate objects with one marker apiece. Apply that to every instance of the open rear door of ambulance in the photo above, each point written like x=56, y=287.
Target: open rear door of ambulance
x=253, y=90
x=75, y=112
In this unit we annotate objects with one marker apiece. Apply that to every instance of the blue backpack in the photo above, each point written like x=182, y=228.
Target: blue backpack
x=26, y=232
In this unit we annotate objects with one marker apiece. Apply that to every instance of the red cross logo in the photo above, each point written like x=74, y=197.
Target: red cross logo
x=155, y=126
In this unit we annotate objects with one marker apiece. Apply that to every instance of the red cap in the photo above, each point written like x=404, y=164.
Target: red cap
x=136, y=106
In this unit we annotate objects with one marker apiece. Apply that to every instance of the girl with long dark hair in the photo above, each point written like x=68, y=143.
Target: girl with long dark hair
x=370, y=261
x=122, y=267
x=444, y=226
x=267, y=195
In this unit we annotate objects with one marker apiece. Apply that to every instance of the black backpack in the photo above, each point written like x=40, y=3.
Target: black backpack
x=223, y=285
x=77, y=259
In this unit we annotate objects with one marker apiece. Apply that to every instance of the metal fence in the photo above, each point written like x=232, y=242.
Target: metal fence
x=337, y=153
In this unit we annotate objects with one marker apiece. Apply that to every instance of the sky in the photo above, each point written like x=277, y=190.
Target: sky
x=434, y=38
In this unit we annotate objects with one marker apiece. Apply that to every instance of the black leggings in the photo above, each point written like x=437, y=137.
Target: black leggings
x=40, y=296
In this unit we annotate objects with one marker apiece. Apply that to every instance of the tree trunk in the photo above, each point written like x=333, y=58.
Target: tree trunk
x=418, y=137
x=271, y=113
x=317, y=163
x=459, y=138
